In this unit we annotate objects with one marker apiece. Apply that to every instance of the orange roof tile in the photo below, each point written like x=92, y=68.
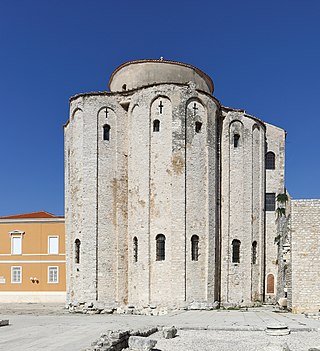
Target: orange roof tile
x=40, y=214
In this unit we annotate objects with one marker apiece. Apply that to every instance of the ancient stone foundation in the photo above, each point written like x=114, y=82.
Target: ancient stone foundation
x=119, y=340
x=148, y=310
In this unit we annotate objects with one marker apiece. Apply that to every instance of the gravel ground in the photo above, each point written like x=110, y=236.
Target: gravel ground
x=210, y=340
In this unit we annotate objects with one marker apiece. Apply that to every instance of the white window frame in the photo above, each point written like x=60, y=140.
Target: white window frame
x=12, y=239
x=57, y=270
x=50, y=237
x=20, y=270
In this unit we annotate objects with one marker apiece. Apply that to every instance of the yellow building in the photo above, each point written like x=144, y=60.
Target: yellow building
x=32, y=258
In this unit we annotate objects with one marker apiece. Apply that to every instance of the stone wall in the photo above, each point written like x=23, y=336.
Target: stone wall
x=136, y=185
x=275, y=143
x=305, y=255
x=242, y=202
x=171, y=174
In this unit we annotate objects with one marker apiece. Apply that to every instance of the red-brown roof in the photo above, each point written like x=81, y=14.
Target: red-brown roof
x=40, y=214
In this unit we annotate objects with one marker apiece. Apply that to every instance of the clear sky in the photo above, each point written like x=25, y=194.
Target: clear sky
x=263, y=56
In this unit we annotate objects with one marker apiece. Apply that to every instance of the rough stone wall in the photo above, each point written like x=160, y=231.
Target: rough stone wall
x=138, y=200
x=111, y=222
x=96, y=201
x=80, y=208
x=138, y=184
x=305, y=255
x=201, y=171
x=171, y=174
x=242, y=188
x=275, y=142
x=166, y=177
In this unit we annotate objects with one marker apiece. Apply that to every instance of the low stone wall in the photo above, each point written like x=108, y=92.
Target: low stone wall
x=98, y=308
x=149, y=310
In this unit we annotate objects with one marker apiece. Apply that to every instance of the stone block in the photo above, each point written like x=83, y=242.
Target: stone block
x=4, y=322
x=120, y=310
x=277, y=330
x=107, y=311
x=169, y=332
x=139, y=343
x=283, y=302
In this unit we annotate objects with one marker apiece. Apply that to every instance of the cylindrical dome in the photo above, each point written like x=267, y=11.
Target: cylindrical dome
x=137, y=74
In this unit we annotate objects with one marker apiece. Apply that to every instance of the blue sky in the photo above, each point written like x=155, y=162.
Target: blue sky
x=263, y=56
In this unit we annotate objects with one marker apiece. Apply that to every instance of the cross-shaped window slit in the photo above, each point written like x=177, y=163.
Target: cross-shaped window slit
x=160, y=107
x=195, y=108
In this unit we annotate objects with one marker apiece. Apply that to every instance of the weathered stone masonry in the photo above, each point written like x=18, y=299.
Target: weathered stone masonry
x=163, y=186
x=305, y=256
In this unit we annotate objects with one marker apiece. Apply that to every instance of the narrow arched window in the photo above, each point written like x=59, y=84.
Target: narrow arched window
x=77, y=245
x=156, y=125
x=270, y=160
x=270, y=284
x=236, y=251
x=198, y=127
x=194, y=248
x=135, y=249
x=254, y=252
x=106, y=132
x=236, y=139
x=124, y=87
x=160, y=247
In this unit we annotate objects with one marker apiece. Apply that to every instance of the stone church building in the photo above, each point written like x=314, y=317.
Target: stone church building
x=171, y=196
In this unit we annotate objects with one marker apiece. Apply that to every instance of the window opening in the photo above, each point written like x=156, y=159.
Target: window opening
x=160, y=107
x=270, y=202
x=124, y=87
x=236, y=138
x=194, y=248
x=236, y=251
x=254, y=252
x=135, y=249
x=270, y=160
x=16, y=275
x=77, y=244
x=156, y=125
x=195, y=108
x=52, y=274
x=160, y=247
x=53, y=245
x=16, y=245
x=106, y=132
x=198, y=127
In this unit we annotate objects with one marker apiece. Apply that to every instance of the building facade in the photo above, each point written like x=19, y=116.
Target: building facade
x=32, y=258
x=170, y=196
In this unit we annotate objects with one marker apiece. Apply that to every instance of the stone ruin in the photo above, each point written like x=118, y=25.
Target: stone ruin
x=131, y=340
x=147, y=310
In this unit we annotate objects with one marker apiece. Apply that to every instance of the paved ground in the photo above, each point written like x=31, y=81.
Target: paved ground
x=36, y=327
